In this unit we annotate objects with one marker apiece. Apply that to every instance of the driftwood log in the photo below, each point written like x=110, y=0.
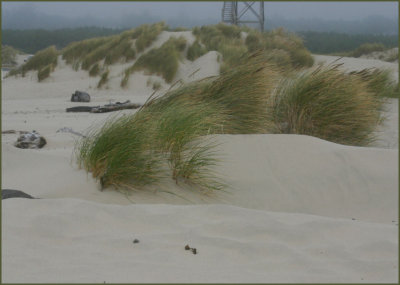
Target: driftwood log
x=10, y=193
x=106, y=108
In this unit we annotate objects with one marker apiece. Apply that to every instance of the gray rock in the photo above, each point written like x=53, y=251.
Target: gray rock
x=9, y=193
x=30, y=140
x=80, y=96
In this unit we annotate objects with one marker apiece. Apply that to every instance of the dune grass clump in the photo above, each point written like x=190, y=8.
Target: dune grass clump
x=379, y=82
x=290, y=42
x=103, y=79
x=146, y=34
x=159, y=141
x=225, y=39
x=78, y=50
x=367, y=48
x=41, y=59
x=8, y=55
x=163, y=61
x=94, y=70
x=195, y=51
x=171, y=136
x=44, y=72
x=328, y=104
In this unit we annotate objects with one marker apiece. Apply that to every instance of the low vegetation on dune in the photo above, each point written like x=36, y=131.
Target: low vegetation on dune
x=367, y=48
x=170, y=135
x=8, y=55
x=328, y=104
x=379, y=82
x=43, y=61
x=163, y=61
x=284, y=48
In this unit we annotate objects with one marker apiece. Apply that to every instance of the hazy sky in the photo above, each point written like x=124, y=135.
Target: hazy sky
x=211, y=9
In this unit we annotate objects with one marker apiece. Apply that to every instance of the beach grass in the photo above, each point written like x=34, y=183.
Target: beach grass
x=328, y=104
x=172, y=135
x=163, y=61
x=195, y=51
x=43, y=61
x=146, y=34
x=103, y=79
x=44, y=72
x=94, y=70
x=379, y=82
x=8, y=55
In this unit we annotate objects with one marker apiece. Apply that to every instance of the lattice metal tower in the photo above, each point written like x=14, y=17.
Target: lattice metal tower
x=231, y=15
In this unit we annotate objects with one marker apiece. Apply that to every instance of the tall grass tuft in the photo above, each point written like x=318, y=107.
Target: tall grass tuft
x=44, y=72
x=328, y=104
x=104, y=79
x=195, y=51
x=41, y=60
x=94, y=70
x=172, y=135
x=146, y=34
x=379, y=82
x=163, y=61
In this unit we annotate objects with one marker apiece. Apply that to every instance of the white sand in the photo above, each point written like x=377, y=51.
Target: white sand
x=298, y=209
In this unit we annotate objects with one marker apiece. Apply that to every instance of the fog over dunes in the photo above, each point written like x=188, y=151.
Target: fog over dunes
x=349, y=17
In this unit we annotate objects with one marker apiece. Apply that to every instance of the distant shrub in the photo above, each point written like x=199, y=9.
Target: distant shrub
x=290, y=42
x=367, y=48
x=8, y=55
x=229, y=31
x=253, y=42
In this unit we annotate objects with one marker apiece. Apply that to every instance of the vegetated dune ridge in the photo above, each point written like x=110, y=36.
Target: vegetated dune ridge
x=297, y=209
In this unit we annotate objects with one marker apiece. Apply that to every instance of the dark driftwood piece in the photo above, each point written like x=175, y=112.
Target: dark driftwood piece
x=106, y=108
x=9, y=193
x=81, y=109
x=115, y=107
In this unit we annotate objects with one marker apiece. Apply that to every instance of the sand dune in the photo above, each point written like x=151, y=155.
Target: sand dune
x=297, y=209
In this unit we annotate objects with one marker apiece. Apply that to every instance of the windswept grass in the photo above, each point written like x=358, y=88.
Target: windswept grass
x=103, y=79
x=146, y=34
x=94, y=70
x=170, y=135
x=111, y=49
x=44, y=72
x=78, y=50
x=43, y=61
x=379, y=82
x=195, y=51
x=163, y=61
x=328, y=104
